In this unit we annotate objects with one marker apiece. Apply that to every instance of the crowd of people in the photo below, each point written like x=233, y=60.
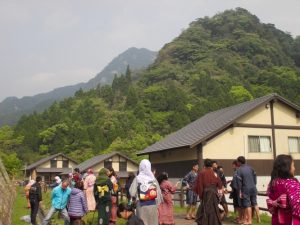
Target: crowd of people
x=150, y=197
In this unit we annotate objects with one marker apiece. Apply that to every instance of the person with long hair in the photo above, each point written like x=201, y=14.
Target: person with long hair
x=165, y=209
x=284, y=192
x=114, y=195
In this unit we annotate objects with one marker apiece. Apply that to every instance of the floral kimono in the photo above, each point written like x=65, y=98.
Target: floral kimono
x=165, y=209
x=283, y=202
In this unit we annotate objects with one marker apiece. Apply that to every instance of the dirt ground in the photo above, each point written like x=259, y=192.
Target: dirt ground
x=179, y=220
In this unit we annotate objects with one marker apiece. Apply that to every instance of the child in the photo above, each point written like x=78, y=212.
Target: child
x=127, y=212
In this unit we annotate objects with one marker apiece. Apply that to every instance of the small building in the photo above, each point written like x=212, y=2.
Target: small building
x=259, y=129
x=122, y=164
x=50, y=167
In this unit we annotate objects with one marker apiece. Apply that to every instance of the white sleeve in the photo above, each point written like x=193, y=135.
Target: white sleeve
x=133, y=188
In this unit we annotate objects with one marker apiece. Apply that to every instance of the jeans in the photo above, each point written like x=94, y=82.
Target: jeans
x=34, y=210
x=53, y=210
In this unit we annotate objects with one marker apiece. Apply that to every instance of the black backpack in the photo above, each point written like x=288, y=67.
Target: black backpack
x=33, y=192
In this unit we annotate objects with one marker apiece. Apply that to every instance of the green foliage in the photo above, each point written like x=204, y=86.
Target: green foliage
x=216, y=62
x=240, y=94
x=12, y=163
x=8, y=146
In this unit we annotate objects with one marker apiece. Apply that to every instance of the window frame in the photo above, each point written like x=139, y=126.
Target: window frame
x=298, y=140
x=259, y=141
x=63, y=163
x=124, y=167
x=51, y=163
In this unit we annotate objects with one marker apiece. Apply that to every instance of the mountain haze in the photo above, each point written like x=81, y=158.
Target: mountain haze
x=217, y=62
x=12, y=108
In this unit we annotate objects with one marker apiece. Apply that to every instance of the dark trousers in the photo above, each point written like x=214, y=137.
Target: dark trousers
x=34, y=210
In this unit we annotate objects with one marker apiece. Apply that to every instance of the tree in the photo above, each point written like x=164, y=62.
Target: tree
x=12, y=163
x=240, y=94
x=128, y=75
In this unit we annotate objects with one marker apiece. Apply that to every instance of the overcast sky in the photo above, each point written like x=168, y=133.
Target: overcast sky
x=49, y=44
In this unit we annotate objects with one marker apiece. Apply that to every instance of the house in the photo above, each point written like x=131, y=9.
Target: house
x=259, y=129
x=50, y=167
x=121, y=164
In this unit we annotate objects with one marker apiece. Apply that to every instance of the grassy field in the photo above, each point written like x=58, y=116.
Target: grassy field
x=20, y=209
x=265, y=219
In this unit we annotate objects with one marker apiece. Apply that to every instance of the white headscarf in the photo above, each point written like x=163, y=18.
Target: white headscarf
x=145, y=173
x=57, y=179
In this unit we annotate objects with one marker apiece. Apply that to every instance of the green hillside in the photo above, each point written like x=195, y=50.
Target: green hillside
x=12, y=108
x=218, y=61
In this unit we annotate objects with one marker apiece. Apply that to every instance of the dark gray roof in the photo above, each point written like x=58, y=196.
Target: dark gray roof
x=210, y=124
x=54, y=170
x=99, y=158
x=43, y=160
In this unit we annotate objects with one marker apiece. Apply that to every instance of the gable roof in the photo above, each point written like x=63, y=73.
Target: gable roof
x=211, y=124
x=43, y=160
x=99, y=158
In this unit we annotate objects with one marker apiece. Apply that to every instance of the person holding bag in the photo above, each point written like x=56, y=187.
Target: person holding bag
x=147, y=192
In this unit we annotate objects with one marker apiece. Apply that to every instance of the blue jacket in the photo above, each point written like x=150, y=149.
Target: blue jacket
x=60, y=197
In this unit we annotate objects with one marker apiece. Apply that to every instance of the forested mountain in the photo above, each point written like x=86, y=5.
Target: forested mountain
x=216, y=62
x=12, y=108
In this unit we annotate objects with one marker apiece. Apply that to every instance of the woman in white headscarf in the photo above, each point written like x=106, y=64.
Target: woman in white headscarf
x=147, y=192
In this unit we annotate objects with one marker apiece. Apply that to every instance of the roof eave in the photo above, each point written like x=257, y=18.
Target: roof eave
x=161, y=150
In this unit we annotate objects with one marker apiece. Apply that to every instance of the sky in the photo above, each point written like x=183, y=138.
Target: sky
x=50, y=44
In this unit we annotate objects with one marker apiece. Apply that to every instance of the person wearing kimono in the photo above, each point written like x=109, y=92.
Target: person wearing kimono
x=284, y=192
x=27, y=188
x=165, y=209
x=114, y=195
x=147, y=192
x=102, y=193
x=89, y=182
x=208, y=187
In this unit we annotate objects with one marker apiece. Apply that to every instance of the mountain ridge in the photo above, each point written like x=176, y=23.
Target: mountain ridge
x=11, y=108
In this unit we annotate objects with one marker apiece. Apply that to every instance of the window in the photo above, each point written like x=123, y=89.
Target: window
x=53, y=163
x=259, y=144
x=65, y=163
x=108, y=163
x=294, y=144
x=123, y=166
